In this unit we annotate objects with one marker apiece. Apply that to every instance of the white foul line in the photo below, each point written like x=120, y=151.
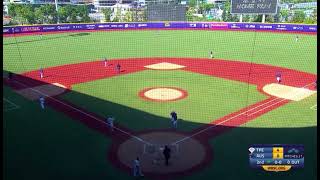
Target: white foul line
x=129, y=134
x=296, y=94
x=188, y=137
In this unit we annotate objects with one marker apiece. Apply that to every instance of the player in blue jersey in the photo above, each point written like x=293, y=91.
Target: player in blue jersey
x=118, y=68
x=174, y=119
x=42, y=101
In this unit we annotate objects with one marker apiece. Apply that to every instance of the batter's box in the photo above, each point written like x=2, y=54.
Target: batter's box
x=9, y=105
x=314, y=107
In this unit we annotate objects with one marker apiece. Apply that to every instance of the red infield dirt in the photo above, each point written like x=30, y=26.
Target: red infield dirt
x=256, y=74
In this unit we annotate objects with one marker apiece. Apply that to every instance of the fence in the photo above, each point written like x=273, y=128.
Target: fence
x=159, y=25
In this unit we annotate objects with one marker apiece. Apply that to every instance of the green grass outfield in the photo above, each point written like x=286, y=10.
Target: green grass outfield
x=49, y=145
x=58, y=49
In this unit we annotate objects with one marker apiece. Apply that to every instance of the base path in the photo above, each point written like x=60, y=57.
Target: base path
x=123, y=138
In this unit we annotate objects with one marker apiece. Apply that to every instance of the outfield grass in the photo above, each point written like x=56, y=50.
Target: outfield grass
x=259, y=47
x=209, y=98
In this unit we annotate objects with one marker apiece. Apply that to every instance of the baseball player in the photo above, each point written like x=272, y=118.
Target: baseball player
x=118, y=68
x=105, y=61
x=174, y=119
x=166, y=152
x=41, y=73
x=278, y=77
x=137, y=168
x=211, y=54
x=297, y=38
x=41, y=100
x=110, y=122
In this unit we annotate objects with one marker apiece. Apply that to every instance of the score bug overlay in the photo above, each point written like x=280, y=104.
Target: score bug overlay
x=276, y=157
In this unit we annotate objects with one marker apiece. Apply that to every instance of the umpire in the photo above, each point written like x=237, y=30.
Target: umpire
x=166, y=153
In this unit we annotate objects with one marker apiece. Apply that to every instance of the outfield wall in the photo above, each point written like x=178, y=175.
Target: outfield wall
x=299, y=28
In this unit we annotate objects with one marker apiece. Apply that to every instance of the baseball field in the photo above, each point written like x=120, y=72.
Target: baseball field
x=224, y=104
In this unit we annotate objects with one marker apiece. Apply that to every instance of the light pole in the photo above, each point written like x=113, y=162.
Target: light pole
x=56, y=4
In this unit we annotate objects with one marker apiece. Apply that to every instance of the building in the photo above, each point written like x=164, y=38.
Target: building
x=50, y=1
x=82, y=2
x=308, y=5
x=215, y=1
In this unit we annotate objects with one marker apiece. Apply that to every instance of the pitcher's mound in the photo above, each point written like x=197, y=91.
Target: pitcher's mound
x=163, y=94
x=184, y=156
x=287, y=92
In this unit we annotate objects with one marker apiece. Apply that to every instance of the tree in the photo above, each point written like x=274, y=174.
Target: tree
x=24, y=14
x=128, y=16
x=204, y=7
x=83, y=13
x=46, y=14
x=192, y=3
x=13, y=8
x=298, y=16
x=189, y=13
x=269, y=18
x=284, y=14
x=314, y=15
x=117, y=15
x=63, y=14
x=107, y=14
x=257, y=18
x=226, y=15
x=246, y=18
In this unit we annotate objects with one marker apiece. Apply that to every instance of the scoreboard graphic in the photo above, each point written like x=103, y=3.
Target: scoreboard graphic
x=276, y=157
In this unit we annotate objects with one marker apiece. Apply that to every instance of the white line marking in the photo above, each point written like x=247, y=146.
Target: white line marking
x=294, y=95
x=15, y=106
x=314, y=107
x=129, y=134
x=215, y=125
x=10, y=109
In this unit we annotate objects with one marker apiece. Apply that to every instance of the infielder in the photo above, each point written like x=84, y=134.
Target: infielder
x=105, y=62
x=41, y=73
x=118, y=68
x=41, y=100
x=174, y=119
x=110, y=123
x=278, y=77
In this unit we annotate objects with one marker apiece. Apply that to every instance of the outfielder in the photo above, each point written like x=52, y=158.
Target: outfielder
x=297, y=38
x=174, y=119
x=211, y=54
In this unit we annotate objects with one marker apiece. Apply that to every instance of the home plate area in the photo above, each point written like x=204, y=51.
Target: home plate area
x=184, y=155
